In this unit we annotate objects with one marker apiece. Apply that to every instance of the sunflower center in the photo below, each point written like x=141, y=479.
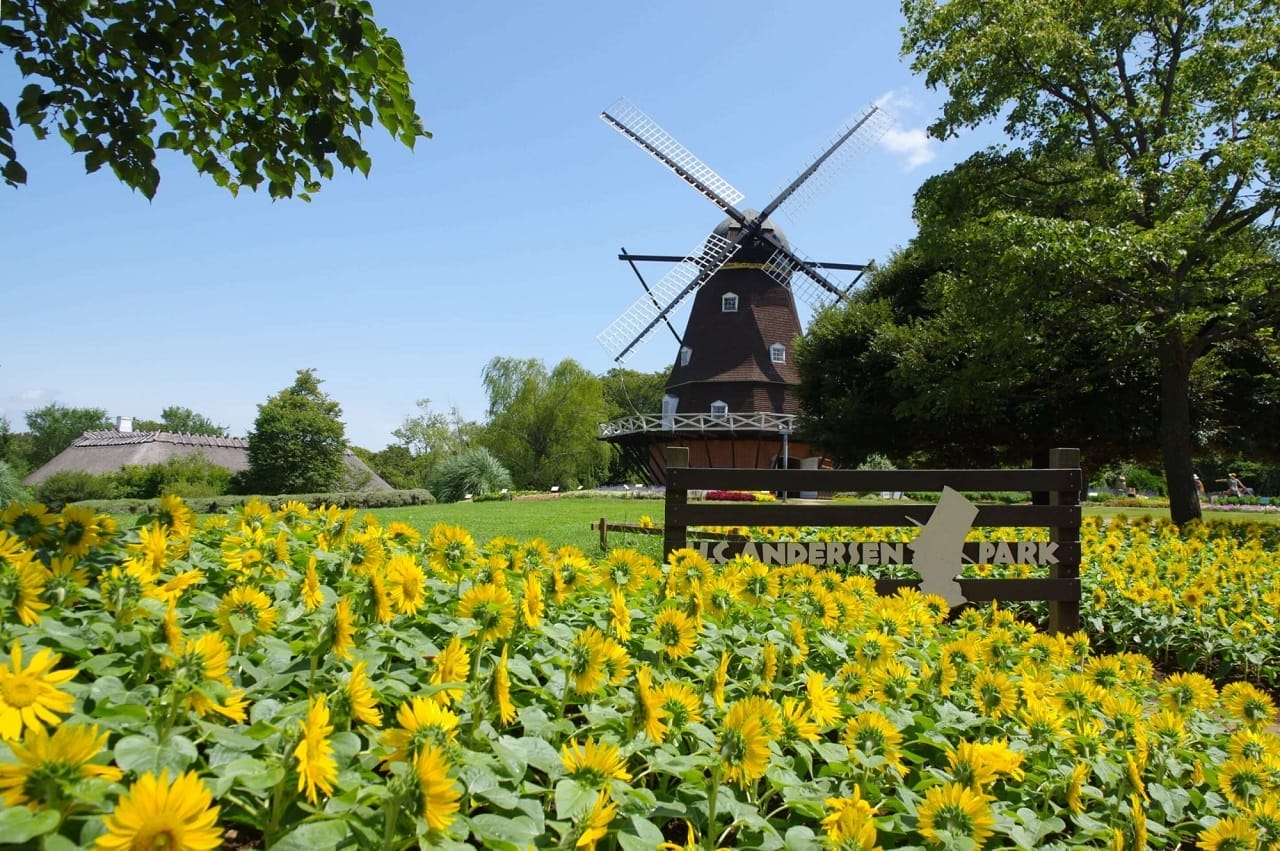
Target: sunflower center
x=161, y=830
x=954, y=820
x=19, y=690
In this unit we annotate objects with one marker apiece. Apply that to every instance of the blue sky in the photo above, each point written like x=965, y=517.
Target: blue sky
x=497, y=237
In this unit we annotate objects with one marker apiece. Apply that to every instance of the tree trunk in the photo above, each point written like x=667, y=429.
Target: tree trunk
x=1175, y=428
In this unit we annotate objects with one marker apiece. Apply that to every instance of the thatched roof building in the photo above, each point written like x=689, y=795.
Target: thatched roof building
x=109, y=450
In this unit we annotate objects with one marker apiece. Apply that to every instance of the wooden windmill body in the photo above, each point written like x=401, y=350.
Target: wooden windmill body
x=730, y=397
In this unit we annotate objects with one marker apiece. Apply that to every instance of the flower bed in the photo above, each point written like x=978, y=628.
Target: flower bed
x=303, y=678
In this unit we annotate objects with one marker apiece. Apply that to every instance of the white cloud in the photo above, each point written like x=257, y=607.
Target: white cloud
x=35, y=396
x=913, y=145
x=896, y=101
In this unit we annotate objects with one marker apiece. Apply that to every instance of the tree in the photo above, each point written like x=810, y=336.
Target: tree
x=54, y=427
x=249, y=92
x=626, y=392
x=1154, y=128
x=542, y=425
x=435, y=434
x=180, y=420
x=297, y=443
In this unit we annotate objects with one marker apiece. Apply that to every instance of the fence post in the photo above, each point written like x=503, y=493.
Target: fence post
x=675, y=535
x=1064, y=615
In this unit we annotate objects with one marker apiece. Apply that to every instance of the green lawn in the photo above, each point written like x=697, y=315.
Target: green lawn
x=568, y=520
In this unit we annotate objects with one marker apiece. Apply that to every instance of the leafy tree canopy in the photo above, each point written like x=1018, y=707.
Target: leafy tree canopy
x=1144, y=193
x=55, y=426
x=178, y=419
x=298, y=441
x=251, y=93
x=543, y=425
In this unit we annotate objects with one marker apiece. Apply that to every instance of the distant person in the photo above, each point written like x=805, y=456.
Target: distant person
x=1235, y=487
x=1199, y=484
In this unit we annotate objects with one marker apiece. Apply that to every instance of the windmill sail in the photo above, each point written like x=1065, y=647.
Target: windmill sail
x=627, y=119
x=635, y=325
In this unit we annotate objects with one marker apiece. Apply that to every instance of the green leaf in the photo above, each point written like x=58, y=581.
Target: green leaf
x=139, y=754
x=517, y=830
x=333, y=833
x=19, y=824
x=14, y=172
x=573, y=799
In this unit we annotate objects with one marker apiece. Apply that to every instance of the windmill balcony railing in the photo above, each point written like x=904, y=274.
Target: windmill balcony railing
x=755, y=422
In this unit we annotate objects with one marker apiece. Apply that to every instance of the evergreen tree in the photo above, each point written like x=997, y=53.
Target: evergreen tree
x=298, y=441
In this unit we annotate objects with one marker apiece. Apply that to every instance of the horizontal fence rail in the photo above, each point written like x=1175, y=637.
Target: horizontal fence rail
x=641, y=423
x=1054, y=492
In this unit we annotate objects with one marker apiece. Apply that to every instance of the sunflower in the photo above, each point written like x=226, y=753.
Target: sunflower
x=452, y=666
x=1233, y=833
x=1183, y=692
x=502, y=689
x=681, y=704
x=593, y=763
x=407, y=583
x=877, y=741
x=449, y=548
x=953, y=811
x=744, y=745
x=768, y=666
x=379, y=598
x=850, y=822
x=245, y=613
x=995, y=694
x=30, y=697
x=1251, y=743
x=1078, y=693
x=156, y=812
x=310, y=591
x=978, y=764
x=596, y=824
x=649, y=711
x=152, y=545
x=619, y=615
x=760, y=583
x=422, y=721
x=800, y=639
x=625, y=570
x=1243, y=781
x=31, y=522
x=531, y=603
x=1075, y=786
x=401, y=533
x=1042, y=719
x=893, y=683
x=720, y=680
x=1249, y=704
x=316, y=765
x=492, y=608
x=360, y=696
x=344, y=629
x=824, y=700
x=21, y=586
x=80, y=530
x=47, y=766
x=439, y=793
x=797, y=722
x=1265, y=818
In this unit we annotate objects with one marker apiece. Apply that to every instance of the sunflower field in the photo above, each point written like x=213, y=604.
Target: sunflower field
x=311, y=679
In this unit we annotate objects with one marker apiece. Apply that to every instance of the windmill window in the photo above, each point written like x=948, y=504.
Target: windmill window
x=719, y=410
x=778, y=353
x=729, y=302
x=685, y=354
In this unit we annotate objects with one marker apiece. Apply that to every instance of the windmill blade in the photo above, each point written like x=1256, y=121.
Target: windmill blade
x=627, y=119
x=798, y=273
x=635, y=325
x=857, y=135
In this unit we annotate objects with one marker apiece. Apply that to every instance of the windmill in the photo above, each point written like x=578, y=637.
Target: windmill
x=730, y=395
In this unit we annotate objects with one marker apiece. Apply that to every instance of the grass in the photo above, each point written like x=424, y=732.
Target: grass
x=567, y=521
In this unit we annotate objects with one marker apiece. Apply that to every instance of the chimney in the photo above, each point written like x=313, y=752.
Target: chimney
x=124, y=423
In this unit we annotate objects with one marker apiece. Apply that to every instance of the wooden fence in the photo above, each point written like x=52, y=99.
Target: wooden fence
x=1055, y=504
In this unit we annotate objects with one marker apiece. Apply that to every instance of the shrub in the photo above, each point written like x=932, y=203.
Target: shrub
x=475, y=472
x=73, y=486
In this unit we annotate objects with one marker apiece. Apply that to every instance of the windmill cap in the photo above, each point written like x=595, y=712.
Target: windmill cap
x=731, y=223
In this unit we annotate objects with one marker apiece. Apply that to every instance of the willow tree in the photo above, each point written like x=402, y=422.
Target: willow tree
x=1165, y=116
